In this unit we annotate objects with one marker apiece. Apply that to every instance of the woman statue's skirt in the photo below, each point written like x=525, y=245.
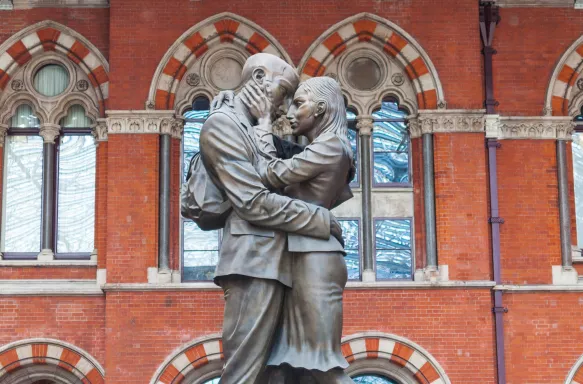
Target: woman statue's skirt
x=311, y=330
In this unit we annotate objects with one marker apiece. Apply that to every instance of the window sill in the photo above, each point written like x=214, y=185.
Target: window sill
x=355, y=285
x=51, y=263
x=577, y=260
x=49, y=288
x=385, y=189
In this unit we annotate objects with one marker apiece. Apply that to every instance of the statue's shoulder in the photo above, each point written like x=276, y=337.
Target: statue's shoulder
x=223, y=118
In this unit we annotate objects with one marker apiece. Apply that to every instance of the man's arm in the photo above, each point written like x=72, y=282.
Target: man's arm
x=225, y=151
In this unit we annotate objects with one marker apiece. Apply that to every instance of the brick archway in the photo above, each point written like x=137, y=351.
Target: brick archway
x=576, y=374
x=385, y=36
x=31, y=352
x=49, y=36
x=193, y=44
x=395, y=350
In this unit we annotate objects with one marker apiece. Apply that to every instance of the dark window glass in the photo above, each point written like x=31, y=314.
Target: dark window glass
x=351, y=235
x=200, y=251
x=353, y=137
x=577, y=149
x=390, y=146
x=373, y=379
x=393, y=249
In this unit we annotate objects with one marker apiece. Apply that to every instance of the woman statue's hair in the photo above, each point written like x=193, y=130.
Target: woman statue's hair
x=334, y=120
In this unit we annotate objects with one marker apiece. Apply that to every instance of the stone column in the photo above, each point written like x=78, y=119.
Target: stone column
x=49, y=132
x=365, y=126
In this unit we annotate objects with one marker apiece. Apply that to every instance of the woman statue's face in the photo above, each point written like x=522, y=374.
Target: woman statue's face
x=302, y=113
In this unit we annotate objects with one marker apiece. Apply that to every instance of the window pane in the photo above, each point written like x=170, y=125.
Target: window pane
x=76, y=195
x=213, y=381
x=51, y=80
x=389, y=110
x=354, y=144
x=393, y=249
x=76, y=118
x=578, y=177
x=350, y=233
x=201, y=252
x=192, y=136
x=24, y=118
x=390, y=153
x=23, y=193
x=373, y=379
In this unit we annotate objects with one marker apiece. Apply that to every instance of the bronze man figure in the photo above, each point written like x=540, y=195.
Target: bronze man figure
x=253, y=269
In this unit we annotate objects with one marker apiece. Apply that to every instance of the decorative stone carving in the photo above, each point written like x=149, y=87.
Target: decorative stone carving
x=398, y=79
x=447, y=121
x=414, y=127
x=550, y=128
x=17, y=85
x=144, y=122
x=364, y=124
x=82, y=85
x=99, y=131
x=3, y=132
x=193, y=79
x=49, y=132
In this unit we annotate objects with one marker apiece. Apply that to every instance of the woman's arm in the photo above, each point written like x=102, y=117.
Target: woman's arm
x=316, y=157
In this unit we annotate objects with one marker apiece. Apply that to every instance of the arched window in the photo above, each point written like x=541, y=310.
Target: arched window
x=200, y=249
x=23, y=180
x=373, y=379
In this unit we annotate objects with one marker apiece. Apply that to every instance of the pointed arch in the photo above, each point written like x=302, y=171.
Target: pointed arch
x=396, y=350
x=387, y=37
x=25, y=353
x=562, y=97
x=193, y=44
x=576, y=373
x=47, y=36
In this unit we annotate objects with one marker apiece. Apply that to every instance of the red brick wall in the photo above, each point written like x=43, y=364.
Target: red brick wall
x=461, y=205
x=528, y=195
x=132, y=207
x=144, y=328
x=17, y=273
x=530, y=42
x=93, y=24
x=138, y=46
x=543, y=336
x=175, y=185
x=76, y=320
x=418, y=201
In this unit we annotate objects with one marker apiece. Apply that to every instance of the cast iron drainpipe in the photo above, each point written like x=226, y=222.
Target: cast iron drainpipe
x=489, y=17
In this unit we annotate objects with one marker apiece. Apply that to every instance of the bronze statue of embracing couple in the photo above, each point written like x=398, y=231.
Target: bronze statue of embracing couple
x=281, y=263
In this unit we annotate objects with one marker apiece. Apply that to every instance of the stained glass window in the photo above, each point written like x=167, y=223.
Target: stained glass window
x=390, y=146
x=373, y=379
x=200, y=250
x=393, y=249
x=351, y=235
x=577, y=148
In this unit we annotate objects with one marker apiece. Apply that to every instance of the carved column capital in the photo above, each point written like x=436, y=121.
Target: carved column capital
x=49, y=132
x=99, y=131
x=172, y=126
x=364, y=124
x=3, y=132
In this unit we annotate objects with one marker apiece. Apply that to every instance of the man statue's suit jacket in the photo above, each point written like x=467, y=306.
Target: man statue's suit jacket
x=254, y=238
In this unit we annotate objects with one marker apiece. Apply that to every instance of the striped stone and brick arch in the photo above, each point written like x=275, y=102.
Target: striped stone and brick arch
x=385, y=35
x=564, y=78
x=30, y=353
x=396, y=351
x=51, y=36
x=576, y=374
x=225, y=28
x=191, y=358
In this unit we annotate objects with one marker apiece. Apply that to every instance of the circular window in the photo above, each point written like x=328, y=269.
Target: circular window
x=364, y=73
x=51, y=80
x=372, y=379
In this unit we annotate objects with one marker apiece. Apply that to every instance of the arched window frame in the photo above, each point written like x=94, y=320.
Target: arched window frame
x=51, y=110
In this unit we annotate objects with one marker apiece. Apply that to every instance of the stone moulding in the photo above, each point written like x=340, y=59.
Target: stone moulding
x=447, y=121
x=144, y=122
x=537, y=128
